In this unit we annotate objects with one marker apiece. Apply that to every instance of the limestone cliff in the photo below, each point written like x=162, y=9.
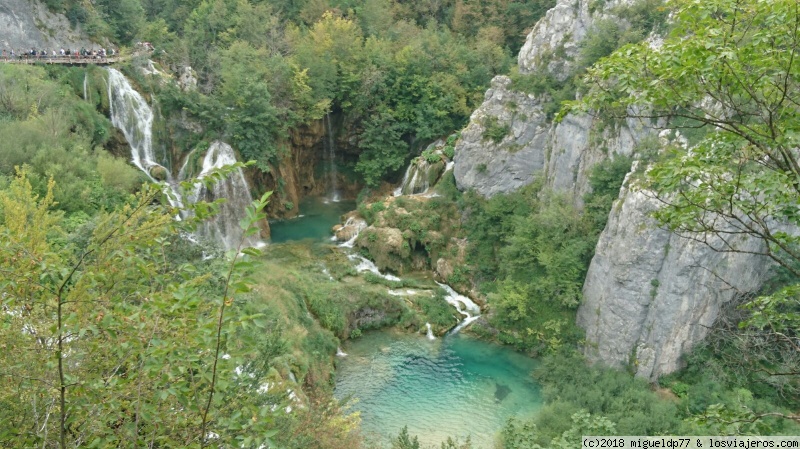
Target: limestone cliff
x=650, y=295
x=29, y=24
x=510, y=139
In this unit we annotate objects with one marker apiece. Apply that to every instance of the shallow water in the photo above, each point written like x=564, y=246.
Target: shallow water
x=317, y=219
x=454, y=386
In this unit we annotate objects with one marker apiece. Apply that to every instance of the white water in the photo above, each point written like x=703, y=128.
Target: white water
x=365, y=264
x=406, y=292
x=340, y=353
x=85, y=86
x=359, y=226
x=133, y=116
x=464, y=305
x=429, y=334
x=224, y=227
x=333, y=174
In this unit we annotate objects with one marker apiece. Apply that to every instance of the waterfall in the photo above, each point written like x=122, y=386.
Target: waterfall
x=131, y=114
x=333, y=174
x=134, y=117
x=464, y=305
x=365, y=264
x=429, y=334
x=421, y=175
x=224, y=227
x=340, y=353
x=357, y=225
x=399, y=190
x=85, y=86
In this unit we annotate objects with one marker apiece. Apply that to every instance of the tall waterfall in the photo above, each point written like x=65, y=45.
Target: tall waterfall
x=85, y=85
x=224, y=227
x=333, y=173
x=134, y=117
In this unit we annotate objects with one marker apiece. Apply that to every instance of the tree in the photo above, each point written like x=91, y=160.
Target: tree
x=728, y=78
x=727, y=74
x=105, y=341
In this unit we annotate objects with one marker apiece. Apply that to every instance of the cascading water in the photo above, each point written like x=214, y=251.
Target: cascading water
x=333, y=173
x=365, y=264
x=429, y=334
x=85, y=86
x=422, y=174
x=224, y=227
x=464, y=305
x=357, y=225
x=133, y=116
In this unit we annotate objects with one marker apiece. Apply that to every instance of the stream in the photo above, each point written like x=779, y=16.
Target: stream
x=452, y=386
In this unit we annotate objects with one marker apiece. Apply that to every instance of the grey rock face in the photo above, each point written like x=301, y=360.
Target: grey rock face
x=651, y=295
x=29, y=24
x=579, y=143
x=497, y=167
x=563, y=153
x=559, y=31
x=187, y=79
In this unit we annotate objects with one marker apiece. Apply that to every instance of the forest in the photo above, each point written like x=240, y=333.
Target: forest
x=118, y=329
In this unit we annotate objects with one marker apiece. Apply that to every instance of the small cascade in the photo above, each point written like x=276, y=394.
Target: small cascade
x=340, y=353
x=224, y=227
x=429, y=334
x=182, y=172
x=464, y=305
x=365, y=264
x=333, y=173
x=424, y=171
x=357, y=225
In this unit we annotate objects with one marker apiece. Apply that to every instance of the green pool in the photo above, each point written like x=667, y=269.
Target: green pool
x=453, y=386
x=316, y=219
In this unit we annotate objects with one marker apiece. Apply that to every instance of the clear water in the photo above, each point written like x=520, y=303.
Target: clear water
x=318, y=215
x=454, y=386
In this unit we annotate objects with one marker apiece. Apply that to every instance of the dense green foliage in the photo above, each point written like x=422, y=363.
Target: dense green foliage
x=57, y=134
x=531, y=249
x=398, y=74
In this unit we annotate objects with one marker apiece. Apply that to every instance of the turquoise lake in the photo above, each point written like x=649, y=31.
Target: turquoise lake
x=317, y=216
x=453, y=386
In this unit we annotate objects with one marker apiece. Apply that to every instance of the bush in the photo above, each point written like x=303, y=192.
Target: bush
x=493, y=130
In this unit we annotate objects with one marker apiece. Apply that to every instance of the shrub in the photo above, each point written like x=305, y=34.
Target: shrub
x=493, y=130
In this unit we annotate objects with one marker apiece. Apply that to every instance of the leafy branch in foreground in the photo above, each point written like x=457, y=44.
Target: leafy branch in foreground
x=108, y=342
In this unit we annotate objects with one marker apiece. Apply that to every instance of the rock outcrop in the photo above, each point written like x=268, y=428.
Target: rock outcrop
x=651, y=295
x=29, y=24
x=510, y=139
x=503, y=147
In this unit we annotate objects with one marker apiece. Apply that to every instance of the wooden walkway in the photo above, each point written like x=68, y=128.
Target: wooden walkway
x=75, y=60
